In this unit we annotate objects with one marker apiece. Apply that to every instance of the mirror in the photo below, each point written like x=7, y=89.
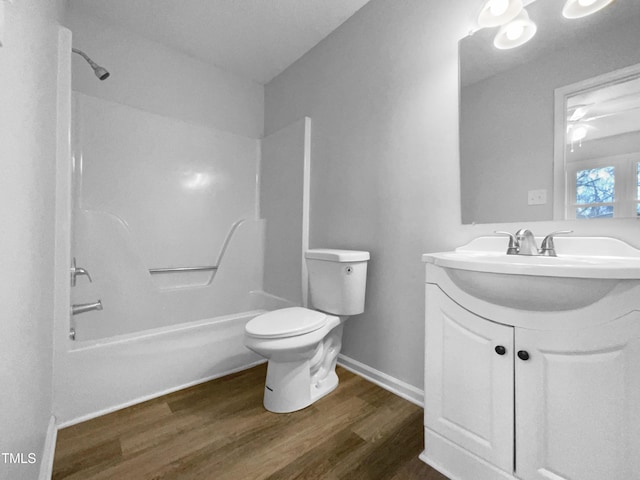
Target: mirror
x=508, y=111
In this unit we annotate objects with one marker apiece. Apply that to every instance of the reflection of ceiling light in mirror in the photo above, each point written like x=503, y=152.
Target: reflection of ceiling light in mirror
x=498, y=12
x=579, y=132
x=582, y=8
x=515, y=33
x=578, y=113
x=576, y=133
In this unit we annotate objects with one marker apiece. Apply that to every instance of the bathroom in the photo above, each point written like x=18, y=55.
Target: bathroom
x=381, y=93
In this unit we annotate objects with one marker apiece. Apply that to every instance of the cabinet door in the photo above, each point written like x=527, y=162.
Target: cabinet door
x=578, y=403
x=468, y=390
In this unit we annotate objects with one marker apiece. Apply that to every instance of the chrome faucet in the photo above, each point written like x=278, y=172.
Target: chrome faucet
x=524, y=243
x=85, y=307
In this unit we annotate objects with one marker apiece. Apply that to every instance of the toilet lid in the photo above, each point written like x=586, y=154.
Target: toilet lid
x=287, y=322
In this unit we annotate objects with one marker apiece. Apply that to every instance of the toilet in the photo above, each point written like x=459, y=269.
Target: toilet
x=302, y=345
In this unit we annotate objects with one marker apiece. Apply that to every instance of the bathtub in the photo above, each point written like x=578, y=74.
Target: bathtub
x=100, y=376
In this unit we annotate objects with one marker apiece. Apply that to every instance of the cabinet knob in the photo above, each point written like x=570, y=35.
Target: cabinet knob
x=500, y=350
x=523, y=355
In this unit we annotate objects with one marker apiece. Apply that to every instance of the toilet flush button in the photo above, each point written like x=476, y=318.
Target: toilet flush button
x=349, y=270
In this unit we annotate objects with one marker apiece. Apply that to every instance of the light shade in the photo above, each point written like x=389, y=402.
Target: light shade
x=498, y=12
x=515, y=33
x=582, y=8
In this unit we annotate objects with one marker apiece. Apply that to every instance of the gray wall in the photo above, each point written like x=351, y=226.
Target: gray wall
x=28, y=66
x=382, y=92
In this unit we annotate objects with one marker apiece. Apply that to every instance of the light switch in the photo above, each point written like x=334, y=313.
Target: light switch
x=537, y=197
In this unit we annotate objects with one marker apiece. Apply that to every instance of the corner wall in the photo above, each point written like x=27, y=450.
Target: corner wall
x=382, y=91
x=28, y=71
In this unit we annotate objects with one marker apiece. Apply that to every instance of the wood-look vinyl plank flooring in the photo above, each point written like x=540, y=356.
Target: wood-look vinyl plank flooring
x=219, y=430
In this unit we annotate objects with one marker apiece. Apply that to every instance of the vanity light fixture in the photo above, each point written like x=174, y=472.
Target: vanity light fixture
x=582, y=8
x=495, y=13
x=515, y=33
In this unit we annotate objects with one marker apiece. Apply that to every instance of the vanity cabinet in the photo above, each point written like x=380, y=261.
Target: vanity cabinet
x=557, y=399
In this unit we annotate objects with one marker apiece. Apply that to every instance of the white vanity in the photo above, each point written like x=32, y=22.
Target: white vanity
x=532, y=364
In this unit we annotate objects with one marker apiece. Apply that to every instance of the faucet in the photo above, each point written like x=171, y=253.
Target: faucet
x=526, y=242
x=85, y=307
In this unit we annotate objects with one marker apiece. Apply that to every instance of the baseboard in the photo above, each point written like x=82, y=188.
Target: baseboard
x=400, y=388
x=144, y=398
x=49, y=450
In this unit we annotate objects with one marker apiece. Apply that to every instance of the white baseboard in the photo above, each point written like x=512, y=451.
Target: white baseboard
x=49, y=450
x=400, y=388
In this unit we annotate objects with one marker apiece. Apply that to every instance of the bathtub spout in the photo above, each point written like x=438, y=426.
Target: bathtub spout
x=85, y=307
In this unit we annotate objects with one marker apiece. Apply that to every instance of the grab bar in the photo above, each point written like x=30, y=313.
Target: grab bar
x=225, y=244
x=182, y=269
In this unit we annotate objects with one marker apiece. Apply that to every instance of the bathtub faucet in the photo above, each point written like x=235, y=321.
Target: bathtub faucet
x=85, y=307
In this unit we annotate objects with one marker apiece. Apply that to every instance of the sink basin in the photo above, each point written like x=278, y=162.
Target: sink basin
x=585, y=270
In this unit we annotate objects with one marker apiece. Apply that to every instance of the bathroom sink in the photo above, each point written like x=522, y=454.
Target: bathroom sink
x=585, y=270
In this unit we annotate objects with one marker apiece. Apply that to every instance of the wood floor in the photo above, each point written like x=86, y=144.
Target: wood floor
x=220, y=430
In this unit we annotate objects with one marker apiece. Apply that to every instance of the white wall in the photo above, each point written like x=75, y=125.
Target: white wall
x=382, y=91
x=158, y=79
x=28, y=66
x=284, y=203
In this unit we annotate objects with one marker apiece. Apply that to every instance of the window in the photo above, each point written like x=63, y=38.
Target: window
x=604, y=188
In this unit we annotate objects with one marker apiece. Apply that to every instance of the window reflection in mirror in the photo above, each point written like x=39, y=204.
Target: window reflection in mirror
x=599, y=135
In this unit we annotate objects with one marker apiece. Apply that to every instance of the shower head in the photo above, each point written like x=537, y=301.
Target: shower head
x=100, y=72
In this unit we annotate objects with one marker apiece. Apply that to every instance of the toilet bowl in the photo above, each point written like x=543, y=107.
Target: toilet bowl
x=301, y=344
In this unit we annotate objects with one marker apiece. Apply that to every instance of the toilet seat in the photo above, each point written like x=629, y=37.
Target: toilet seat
x=287, y=322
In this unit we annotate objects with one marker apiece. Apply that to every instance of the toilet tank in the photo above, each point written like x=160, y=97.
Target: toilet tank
x=337, y=280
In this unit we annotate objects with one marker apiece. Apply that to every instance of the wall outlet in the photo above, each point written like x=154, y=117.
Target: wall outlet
x=537, y=197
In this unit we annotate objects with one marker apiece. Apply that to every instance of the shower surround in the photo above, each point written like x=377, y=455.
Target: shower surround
x=152, y=195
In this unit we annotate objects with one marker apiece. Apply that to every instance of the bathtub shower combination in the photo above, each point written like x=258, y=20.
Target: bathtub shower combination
x=168, y=252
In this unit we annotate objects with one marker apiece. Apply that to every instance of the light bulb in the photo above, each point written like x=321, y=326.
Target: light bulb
x=514, y=31
x=583, y=8
x=517, y=32
x=498, y=7
x=495, y=13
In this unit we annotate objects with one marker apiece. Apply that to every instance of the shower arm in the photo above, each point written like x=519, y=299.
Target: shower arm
x=93, y=64
x=101, y=72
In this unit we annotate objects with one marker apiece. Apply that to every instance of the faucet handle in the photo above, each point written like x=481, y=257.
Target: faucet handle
x=513, y=247
x=547, y=247
x=75, y=271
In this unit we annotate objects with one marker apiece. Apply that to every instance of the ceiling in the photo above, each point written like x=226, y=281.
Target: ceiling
x=256, y=39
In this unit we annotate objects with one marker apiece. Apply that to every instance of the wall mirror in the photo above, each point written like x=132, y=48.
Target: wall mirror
x=512, y=167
